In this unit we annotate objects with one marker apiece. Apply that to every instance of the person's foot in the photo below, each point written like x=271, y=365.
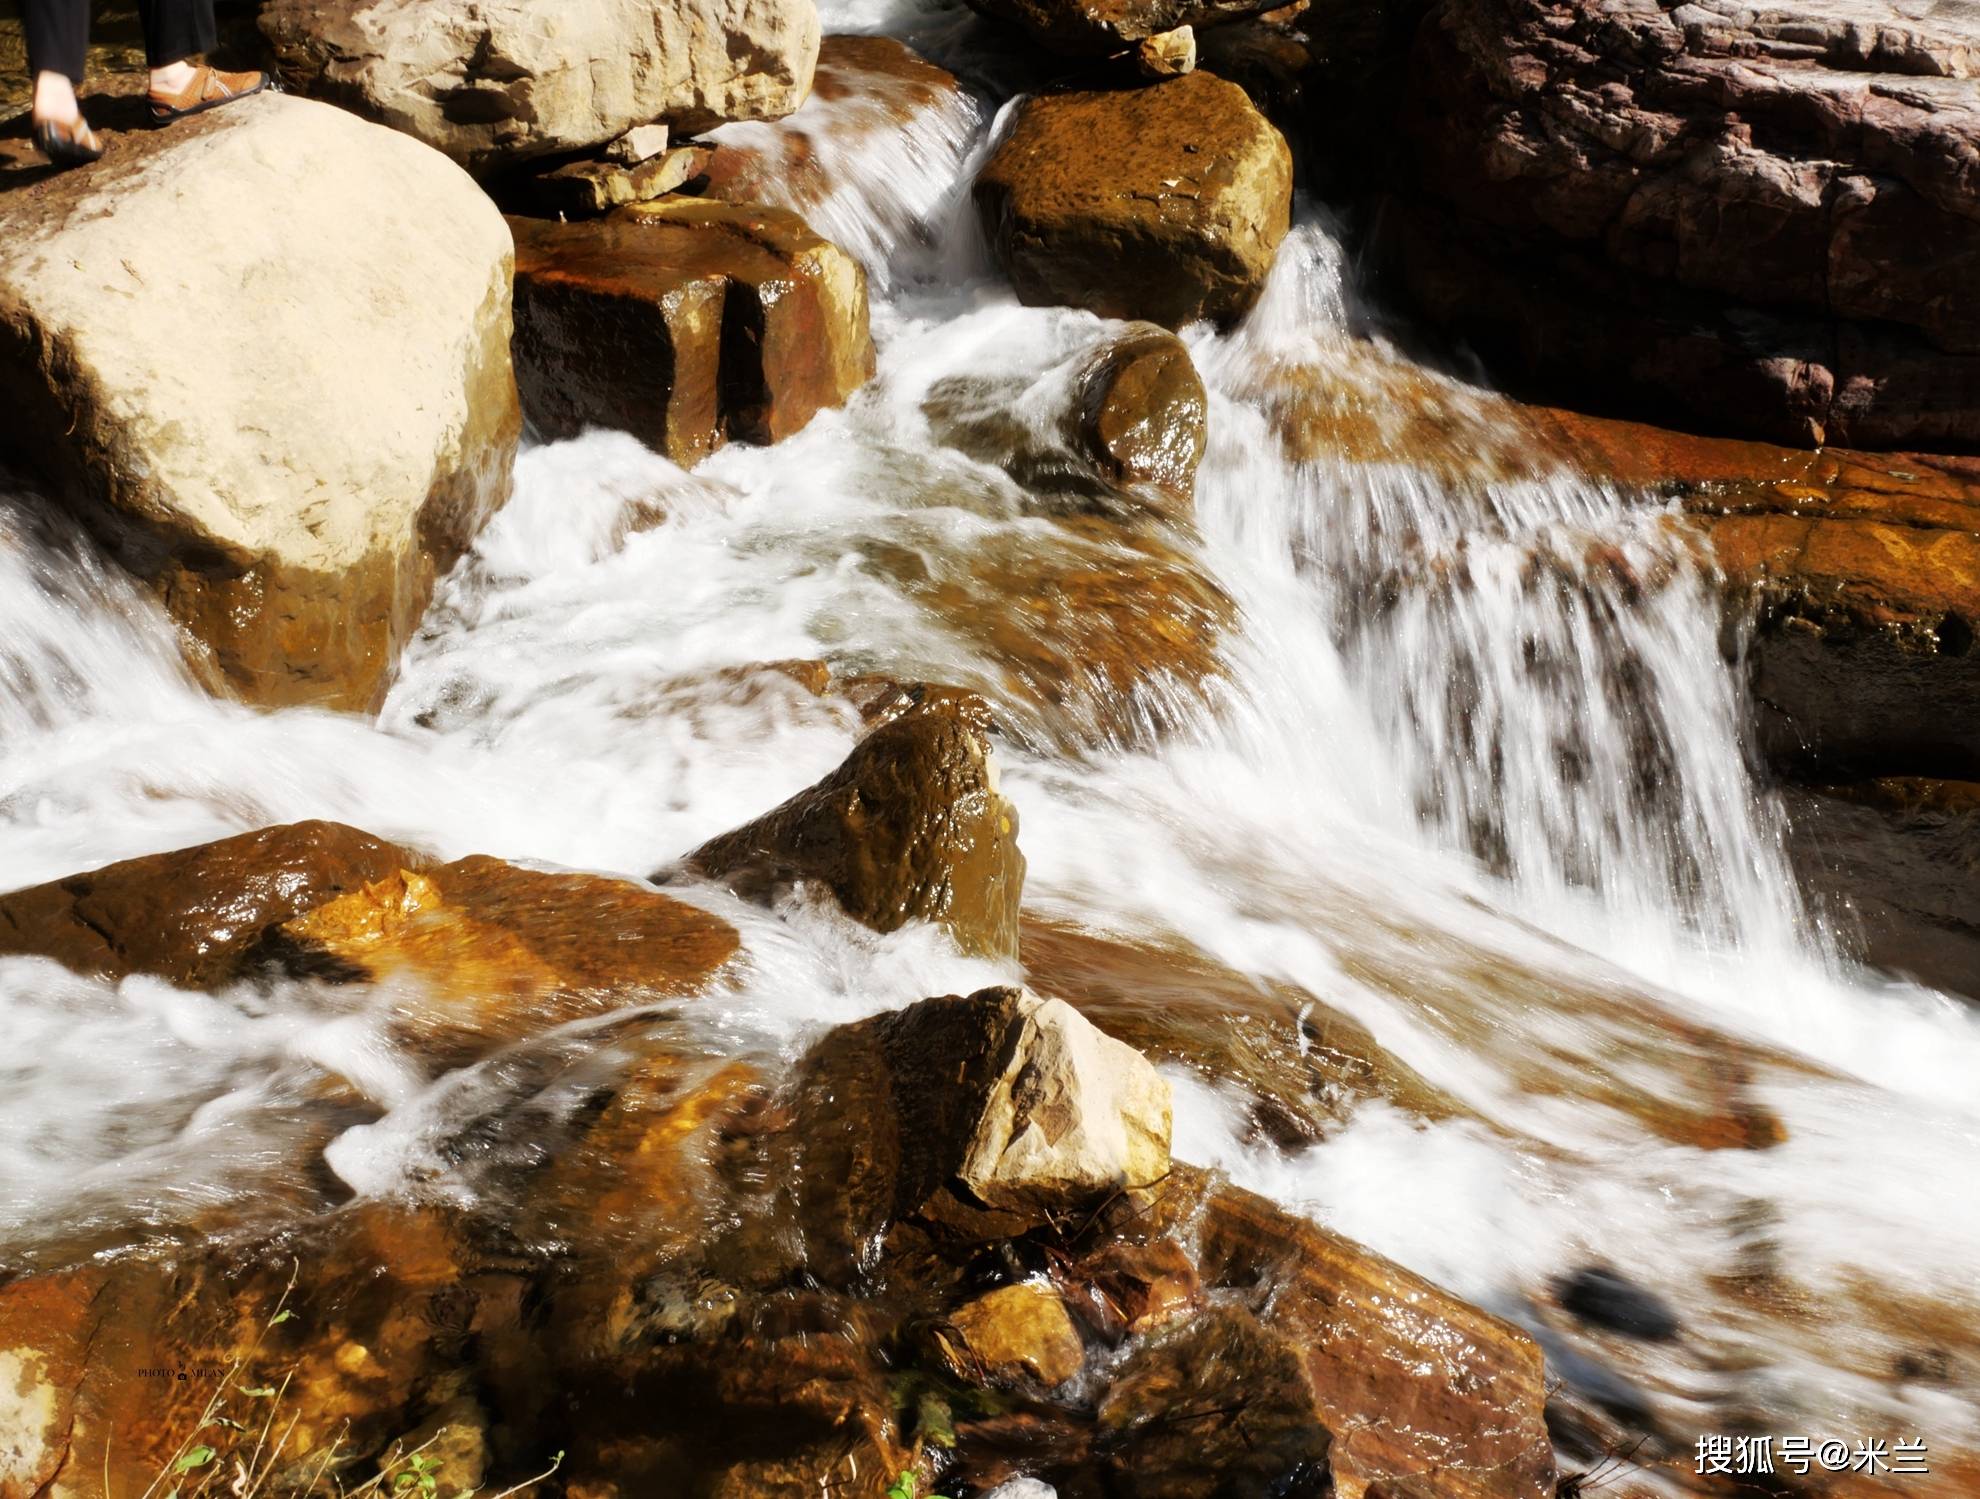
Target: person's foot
x=183, y=90
x=60, y=131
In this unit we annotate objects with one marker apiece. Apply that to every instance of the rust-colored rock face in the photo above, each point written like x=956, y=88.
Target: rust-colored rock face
x=909, y=828
x=687, y=323
x=1759, y=219
x=292, y=521
x=1166, y=202
x=193, y=915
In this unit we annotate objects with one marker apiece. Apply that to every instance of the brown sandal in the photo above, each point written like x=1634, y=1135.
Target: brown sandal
x=209, y=89
x=67, y=145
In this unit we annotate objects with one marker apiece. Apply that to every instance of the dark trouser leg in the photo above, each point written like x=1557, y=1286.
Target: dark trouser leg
x=57, y=36
x=176, y=29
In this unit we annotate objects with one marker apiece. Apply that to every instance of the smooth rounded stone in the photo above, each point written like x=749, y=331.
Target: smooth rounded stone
x=909, y=828
x=688, y=323
x=1166, y=202
x=192, y=916
x=495, y=82
x=1016, y=1333
x=1116, y=427
x=196, y=410
x=1757, y=218
x=1602, y=1297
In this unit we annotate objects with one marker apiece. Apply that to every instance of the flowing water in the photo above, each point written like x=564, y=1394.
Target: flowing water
x=1469, y=773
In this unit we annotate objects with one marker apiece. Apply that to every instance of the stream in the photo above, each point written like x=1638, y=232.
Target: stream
x=1469, y=772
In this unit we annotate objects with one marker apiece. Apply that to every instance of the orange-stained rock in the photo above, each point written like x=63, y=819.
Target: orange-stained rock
x=909, y=828
x=1166, y=202
x=1415, y=1384
x=500, y=951
x=191, y=916
x=1014, y=1333
x=686, y=322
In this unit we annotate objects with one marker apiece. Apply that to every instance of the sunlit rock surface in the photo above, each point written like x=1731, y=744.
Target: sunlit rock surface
x=293, y=521
x=493, y=84
x=1166, y=202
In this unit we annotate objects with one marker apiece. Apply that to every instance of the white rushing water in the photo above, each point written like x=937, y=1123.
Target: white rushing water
x=1473, y=777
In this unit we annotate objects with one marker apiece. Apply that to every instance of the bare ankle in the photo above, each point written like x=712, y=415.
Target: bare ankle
x=173, y=78
x=55, y=99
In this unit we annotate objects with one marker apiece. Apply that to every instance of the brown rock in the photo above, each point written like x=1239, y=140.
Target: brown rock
x=722, y=322
x=1221, y=1406
x=1133, y=1289
x=1166, y=202
x=586, y=189
x=1115, y=428
x=1757, y=219
x=502, y=951
x=192, y=916
x=919, y=1113
x=1895, y=863
x=1016, y=1332
x=909, y=828
x=292, y=520
x=1431, y=1388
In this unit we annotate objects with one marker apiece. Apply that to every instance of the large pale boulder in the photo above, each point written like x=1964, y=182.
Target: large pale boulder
x=687, y=323
x=1166, y=202
x=494, y=82
x=266, y=356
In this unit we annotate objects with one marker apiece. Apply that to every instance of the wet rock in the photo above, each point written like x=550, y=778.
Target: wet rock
x=500, y=951
x=1017, y=1332
x=586, y=189
x=1099, y=27
x=1099, y=634
x=291, y=520
x=1895, y=863
x=869, y=90
x=1221, y=1406
x=909, y=828
x=192, y=916
x=1855, y=575
x=1304, y=1065
x=1115, y=428
x=1166, y=202
x=491, y=84
x=687, y=323
x=1758, y=219
x=1604, y=1298
x=982, y=1116
x=1133, y=1289
x=1433, y=1389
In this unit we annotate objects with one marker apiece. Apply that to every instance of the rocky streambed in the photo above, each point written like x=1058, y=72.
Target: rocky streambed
x=847, y=754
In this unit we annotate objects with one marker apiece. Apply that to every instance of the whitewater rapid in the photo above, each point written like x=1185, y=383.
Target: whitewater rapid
x=1485, y=796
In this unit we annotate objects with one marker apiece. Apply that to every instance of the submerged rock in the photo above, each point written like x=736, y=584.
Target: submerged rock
x=1605, y=1298
x=493, y=82
x=1757, y=218
x=909, y=828
x=687, y=323
x=1166, y=202
x=292, y=519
